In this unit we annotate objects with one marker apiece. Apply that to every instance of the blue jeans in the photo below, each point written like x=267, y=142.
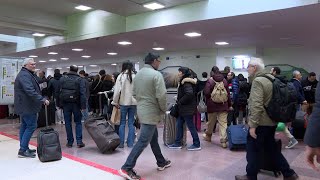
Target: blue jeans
x=265, y=140
x=130, y=111
x=179, y=126
x=148, y=134
x=68, y=110
x=27, y=127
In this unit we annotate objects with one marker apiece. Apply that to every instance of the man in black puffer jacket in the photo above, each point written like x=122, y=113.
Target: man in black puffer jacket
x=187, y=103
x=53, y=90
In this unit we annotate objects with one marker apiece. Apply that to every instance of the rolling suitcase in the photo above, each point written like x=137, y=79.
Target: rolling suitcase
x=49, y=148
x=51, y=111
x=103, y=134
x=237, y=136
x=170, y=130
x=267, y=162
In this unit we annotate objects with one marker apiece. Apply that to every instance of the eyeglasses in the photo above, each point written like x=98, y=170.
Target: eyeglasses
x=33, y=64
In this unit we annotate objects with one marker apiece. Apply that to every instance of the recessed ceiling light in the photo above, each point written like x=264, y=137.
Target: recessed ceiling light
x=221, y=43
x=192, y=34
x=83, y=8
x=76, y=49
x=80, y=66
x=114, y=64
x=112, y=53
x=124, y=43
x=153, y=5
x=93, y=65
x=49, y=68
x=42, y=61
x=33, y=56
x=58, y=68
x=158, y=48
x=53, y=53
x=68, y=67
x=64, y=59
x=53, y=60
x=86, y=56
x=38, y=34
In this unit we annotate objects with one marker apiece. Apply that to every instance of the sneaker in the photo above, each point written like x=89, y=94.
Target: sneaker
x=26, y=154
x=224, y=145
x=129, y=174
x=174, y=146
x=69, y=145
x=193, y=148
x=166, y=165
x=32, y=150
x=206, y=137
x=292, y=143
x=81, y=145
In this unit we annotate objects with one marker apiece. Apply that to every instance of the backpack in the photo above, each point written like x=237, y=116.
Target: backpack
x=219, y=93
x=282, y=106
x=70, y=90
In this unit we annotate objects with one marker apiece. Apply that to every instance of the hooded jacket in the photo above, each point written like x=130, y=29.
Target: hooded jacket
x=212, y=106
x=186, y=100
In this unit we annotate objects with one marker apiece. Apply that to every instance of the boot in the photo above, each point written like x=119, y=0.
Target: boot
x=207, y=137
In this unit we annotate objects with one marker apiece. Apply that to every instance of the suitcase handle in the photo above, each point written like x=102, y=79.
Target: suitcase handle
x=46, y=114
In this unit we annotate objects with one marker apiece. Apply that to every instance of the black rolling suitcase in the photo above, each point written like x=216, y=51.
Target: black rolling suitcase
x=103, y=134
x=268, y=163
x=49, y=148
x=51, y=115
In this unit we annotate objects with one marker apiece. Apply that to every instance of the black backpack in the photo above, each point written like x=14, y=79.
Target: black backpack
x=70, y=90
x=282, y=106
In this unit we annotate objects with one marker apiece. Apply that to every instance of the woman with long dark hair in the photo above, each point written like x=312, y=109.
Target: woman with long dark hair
x=123, y=98
x=187, y=102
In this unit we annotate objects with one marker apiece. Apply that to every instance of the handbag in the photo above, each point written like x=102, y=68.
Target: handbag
x=174, y=111
x=202, y=107
x=115, y=116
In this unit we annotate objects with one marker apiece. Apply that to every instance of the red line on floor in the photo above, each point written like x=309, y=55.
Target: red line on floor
x=74, y=158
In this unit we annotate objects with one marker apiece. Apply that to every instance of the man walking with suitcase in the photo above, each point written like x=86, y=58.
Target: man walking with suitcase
x=27, y=102
x=150, y=92
x=72, y=99
x=262, y=128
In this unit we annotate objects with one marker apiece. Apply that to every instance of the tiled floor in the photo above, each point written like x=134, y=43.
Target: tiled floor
x=211, y=163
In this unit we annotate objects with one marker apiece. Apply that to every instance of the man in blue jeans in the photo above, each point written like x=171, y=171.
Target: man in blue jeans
x=72, y=99
x=27, y=102
x=150, y=92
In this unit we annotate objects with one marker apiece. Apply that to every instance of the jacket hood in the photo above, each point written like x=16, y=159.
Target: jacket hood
x=218, y=77
x=57, y=76
x=189, y=80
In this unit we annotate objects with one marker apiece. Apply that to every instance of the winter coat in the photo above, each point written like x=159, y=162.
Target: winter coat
x=297, y=85
x=123, y=90
x=212, y=106
x=309, y=89
x=27, y=94
x=54, y=85
x=186, y=100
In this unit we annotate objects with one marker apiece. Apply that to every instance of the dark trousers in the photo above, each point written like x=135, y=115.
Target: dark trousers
x=265, y=140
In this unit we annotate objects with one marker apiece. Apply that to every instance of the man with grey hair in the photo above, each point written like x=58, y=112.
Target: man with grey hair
x=262, y=128
x=27, y=102
x=296, y=80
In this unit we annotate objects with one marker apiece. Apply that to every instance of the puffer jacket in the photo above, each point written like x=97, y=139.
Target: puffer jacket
x=212, y=106
x=187, y=101
x=260, y=96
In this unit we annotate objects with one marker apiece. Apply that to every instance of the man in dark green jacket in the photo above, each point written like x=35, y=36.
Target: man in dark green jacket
x=262, y=128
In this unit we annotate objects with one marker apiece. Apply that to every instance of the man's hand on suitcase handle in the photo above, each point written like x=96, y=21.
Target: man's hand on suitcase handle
x=46, y=102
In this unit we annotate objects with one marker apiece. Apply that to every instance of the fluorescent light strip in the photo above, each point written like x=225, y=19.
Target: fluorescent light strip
x=93, y=65
x=83, y=8
x=192, y=34
x=42, y=61
x=38, y=34
x=80, y=66
x=76, y=49
x=86, y=56
x=114, y=64
x=153, y=5
x=58, y=68
x=49, y=68
x=53, y=60
x=52, y=53
x=221, y=43
x=124, y=43
x=112, y=53
x=158, y=48
x=64, y=59
x=33, y=56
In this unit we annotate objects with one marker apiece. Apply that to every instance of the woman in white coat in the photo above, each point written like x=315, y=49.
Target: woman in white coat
x=124, y=100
